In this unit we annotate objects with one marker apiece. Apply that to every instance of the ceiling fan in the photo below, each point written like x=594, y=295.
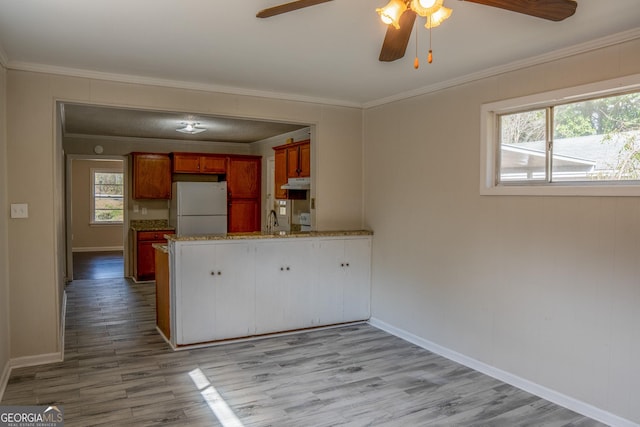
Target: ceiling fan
x=396, y=40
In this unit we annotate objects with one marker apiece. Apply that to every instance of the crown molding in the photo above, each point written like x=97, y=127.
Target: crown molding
x=489, y=72
x=513, y=66
x=177, y=84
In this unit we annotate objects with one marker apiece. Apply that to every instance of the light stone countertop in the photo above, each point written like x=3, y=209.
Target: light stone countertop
x=265, y=235
x=150, y=225
x=161, y=247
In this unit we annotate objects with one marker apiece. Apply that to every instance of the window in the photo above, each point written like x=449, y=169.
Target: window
x=107, y=197
x=580, y=141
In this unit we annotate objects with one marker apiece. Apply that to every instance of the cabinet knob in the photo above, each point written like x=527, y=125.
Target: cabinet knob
x=219, y=273
x=342, y=264
x=288, y=268
x=213, y=273
x=347, y=264
x=281, y=268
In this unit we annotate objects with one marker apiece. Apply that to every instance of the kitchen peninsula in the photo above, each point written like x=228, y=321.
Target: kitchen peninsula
x=243, y=285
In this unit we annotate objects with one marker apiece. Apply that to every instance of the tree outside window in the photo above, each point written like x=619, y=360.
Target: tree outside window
x=586, y=141
x=108, y=197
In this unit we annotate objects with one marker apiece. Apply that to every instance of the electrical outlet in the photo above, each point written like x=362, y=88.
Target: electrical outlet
x=136, y=208
x=19, y=210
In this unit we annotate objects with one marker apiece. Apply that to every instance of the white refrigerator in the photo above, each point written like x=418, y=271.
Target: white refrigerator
x=198, y=208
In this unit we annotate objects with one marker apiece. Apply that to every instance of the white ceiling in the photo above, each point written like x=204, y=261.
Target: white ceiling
x=91, y=120
x=325, y=53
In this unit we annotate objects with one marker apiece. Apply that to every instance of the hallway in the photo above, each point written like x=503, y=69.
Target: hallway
x=98, y=265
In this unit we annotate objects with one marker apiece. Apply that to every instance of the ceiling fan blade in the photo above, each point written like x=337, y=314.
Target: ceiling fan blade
x=395, y=41
x=553, y=10
x=288, y=7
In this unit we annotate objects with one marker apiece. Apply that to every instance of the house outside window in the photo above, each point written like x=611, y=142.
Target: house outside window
x=107, y=196
x=581, y=141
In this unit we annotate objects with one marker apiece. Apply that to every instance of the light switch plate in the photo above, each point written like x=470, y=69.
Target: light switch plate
x=19, y=210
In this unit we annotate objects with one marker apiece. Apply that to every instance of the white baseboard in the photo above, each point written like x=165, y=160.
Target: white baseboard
x=39, y=359
x=4, y=379
x=99, y=249
x=514, y=380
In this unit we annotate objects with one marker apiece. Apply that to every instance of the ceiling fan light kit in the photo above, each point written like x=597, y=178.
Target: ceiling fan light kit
x=395, y=42
x=391, y=13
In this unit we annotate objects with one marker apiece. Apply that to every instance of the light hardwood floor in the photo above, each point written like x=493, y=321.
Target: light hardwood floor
x=119, y=372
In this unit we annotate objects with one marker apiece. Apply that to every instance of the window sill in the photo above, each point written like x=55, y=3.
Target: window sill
x=100, y=224
x=581, y=190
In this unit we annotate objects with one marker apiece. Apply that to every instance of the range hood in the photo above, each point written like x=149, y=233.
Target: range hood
x=297, y=184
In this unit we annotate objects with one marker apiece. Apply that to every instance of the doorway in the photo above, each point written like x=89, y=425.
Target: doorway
x=96, y=216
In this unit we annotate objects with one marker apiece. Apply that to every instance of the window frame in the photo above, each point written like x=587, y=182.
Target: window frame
x=490, y=144
x=92, y=197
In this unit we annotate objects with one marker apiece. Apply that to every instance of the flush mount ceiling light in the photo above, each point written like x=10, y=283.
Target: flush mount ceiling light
x=190, y=128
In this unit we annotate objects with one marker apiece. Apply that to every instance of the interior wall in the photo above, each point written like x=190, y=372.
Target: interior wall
x=87, y=236
x=4, y=265
x=31, y=100
x=544, y=288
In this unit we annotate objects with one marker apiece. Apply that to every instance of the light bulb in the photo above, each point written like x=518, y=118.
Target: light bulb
x=427, y=3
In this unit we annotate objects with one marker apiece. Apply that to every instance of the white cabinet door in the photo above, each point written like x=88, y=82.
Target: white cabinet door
x=329, y=284
x=357, y=284
x=195, y=293
x=215, y=292
x=235, y=291
x=283, y=297
x=343, y=290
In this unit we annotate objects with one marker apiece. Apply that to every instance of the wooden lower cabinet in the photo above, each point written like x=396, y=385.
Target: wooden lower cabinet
x=144, y=265
x=243, y=215
x=163, y=292
x=243, y=184
x=231, y=289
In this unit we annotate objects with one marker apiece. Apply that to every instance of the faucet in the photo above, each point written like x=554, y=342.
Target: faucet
x=272, y=221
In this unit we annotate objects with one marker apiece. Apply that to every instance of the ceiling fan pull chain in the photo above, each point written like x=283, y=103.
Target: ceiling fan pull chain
x=430, y=56
x=416, y=62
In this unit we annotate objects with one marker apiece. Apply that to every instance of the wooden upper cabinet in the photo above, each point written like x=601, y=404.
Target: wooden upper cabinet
x=186, y=163
x=299, y=159
x=244, y=177
x=151, y=176
x=292, y=160
x=305, y=159
x=213, y=164
x=199, y=163
x=280, y=173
